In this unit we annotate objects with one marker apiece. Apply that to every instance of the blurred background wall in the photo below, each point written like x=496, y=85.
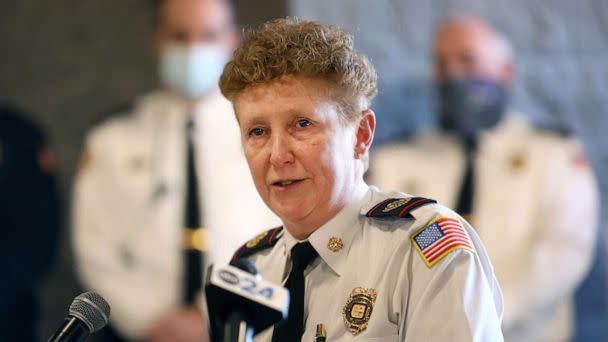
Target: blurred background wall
x=66, y=61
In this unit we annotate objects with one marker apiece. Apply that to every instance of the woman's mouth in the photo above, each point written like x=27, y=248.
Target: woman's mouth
x=287, y=184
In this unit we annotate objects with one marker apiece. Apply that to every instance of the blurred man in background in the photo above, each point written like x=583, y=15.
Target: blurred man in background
x=164, y=190
x=29, y=222
x=530, y=192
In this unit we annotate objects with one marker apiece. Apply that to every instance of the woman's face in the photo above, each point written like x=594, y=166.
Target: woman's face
x=302, y=155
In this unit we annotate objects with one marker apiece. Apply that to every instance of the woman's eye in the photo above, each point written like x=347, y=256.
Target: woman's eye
x=304, y=123
x=256, y=132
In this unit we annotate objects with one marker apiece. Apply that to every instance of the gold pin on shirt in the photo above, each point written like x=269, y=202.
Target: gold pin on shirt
x=321, y=334
x=335, y=244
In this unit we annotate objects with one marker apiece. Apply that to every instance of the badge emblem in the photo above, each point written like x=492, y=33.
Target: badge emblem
x=395, y=204
x=335, y=244
x=358, y=309
x=518, y=162
x=254, y=242
x=137, y=163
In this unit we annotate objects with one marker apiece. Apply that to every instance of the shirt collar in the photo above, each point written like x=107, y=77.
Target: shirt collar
x=342, y=228
x=178, y=110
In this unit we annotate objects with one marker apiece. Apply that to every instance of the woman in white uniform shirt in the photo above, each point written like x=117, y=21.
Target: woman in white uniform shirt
x=379, y=266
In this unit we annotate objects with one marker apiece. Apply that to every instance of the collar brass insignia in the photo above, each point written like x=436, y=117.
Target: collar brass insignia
x=395, y=204
x=254, y=242
x=518, y=161
x=358, y=309
x=137, y=163
x=335, y=244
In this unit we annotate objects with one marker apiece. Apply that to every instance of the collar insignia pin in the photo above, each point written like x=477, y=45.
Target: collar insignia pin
x=518, y=162
x=335, y=244
x=137, y=163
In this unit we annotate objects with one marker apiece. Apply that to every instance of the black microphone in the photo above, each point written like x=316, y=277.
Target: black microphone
x=88, y=313
x=240, y=303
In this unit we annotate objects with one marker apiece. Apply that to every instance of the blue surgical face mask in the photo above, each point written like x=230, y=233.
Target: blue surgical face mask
x=469, y=106
x=192, y=70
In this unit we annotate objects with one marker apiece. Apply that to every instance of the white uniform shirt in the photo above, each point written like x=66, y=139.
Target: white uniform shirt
x=535, y=208
x=457, y=299
x=128, y=205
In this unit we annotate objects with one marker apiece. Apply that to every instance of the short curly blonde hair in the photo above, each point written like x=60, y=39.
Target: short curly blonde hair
x=290, y=47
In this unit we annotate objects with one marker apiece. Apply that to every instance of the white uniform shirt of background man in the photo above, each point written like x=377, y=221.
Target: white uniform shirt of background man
x=129, y=203
x=535, y=207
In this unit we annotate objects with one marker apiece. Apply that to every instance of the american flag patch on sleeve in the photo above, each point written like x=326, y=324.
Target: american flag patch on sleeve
x=439, y=237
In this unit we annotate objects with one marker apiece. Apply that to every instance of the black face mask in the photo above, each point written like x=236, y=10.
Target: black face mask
x=468, y=106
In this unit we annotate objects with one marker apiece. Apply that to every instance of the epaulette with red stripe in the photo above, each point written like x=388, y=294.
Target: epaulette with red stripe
x=398, y=207
x=261, y=242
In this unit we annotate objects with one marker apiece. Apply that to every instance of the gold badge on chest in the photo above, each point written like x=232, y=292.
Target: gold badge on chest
x=358, y=309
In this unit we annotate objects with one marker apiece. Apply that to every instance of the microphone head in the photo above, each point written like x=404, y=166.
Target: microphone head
x=92, y=309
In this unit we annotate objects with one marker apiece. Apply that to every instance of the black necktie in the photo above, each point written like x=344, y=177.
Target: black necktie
x=291, y=330
x=464, y=205
x=193, y=253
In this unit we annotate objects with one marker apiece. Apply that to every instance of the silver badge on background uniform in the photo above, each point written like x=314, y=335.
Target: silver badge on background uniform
x=358, y=309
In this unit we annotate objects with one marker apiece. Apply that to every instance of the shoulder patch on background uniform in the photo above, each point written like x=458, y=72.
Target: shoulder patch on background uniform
x=261, y=242
x=439, y=237
x=398, y=207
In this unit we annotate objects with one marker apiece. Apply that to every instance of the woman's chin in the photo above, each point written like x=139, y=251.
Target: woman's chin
x=291, y=212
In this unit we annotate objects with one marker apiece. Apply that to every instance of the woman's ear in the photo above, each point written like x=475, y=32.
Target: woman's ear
x=365, y=132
